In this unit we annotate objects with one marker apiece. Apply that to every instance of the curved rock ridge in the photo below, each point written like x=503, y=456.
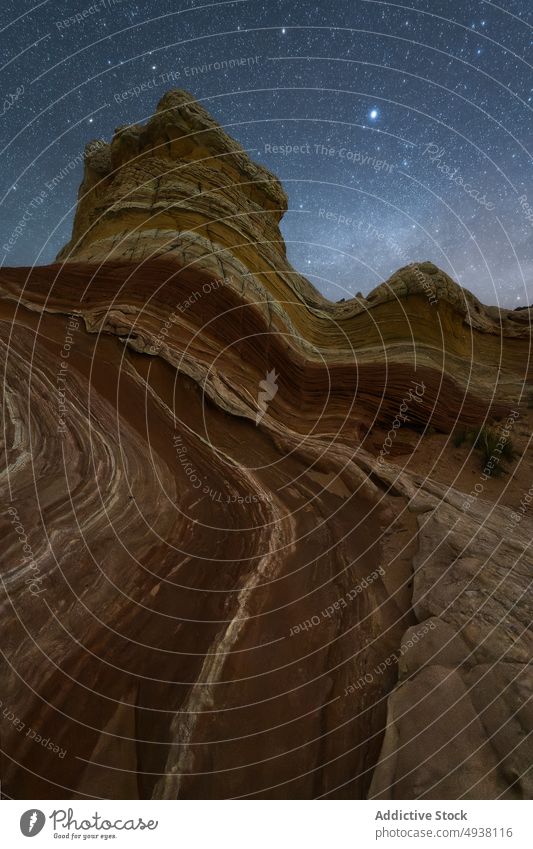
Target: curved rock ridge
x=358, y=368
x=225, y=570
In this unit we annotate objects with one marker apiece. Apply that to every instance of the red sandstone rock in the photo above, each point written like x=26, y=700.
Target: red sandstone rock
x=218, y=574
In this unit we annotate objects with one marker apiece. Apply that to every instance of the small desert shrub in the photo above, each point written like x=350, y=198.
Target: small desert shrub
x=459, y=437
x=487, y=441
x=463, y=435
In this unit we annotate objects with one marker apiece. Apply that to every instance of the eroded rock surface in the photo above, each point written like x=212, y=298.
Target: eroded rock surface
x=215, y=583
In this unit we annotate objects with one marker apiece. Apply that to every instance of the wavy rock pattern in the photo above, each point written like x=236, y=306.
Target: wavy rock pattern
x=198, y=606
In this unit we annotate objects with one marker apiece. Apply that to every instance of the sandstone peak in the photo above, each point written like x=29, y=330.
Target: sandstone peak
x=177, y=181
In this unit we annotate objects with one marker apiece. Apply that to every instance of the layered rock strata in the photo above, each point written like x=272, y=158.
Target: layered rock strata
x=215, y=583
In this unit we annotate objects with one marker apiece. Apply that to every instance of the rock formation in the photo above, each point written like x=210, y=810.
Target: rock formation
x=219, y=580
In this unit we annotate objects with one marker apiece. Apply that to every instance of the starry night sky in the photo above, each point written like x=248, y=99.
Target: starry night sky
x=412, y=123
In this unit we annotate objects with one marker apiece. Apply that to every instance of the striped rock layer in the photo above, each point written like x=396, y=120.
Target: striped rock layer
x=216, y=582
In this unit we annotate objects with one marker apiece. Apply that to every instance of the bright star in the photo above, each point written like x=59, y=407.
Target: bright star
x=373, y=114
x=283, y=31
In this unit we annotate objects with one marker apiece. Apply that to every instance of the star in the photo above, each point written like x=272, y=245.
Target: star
x=373, y=114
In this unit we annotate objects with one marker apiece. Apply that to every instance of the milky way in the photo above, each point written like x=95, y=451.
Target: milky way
x=401, y=132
